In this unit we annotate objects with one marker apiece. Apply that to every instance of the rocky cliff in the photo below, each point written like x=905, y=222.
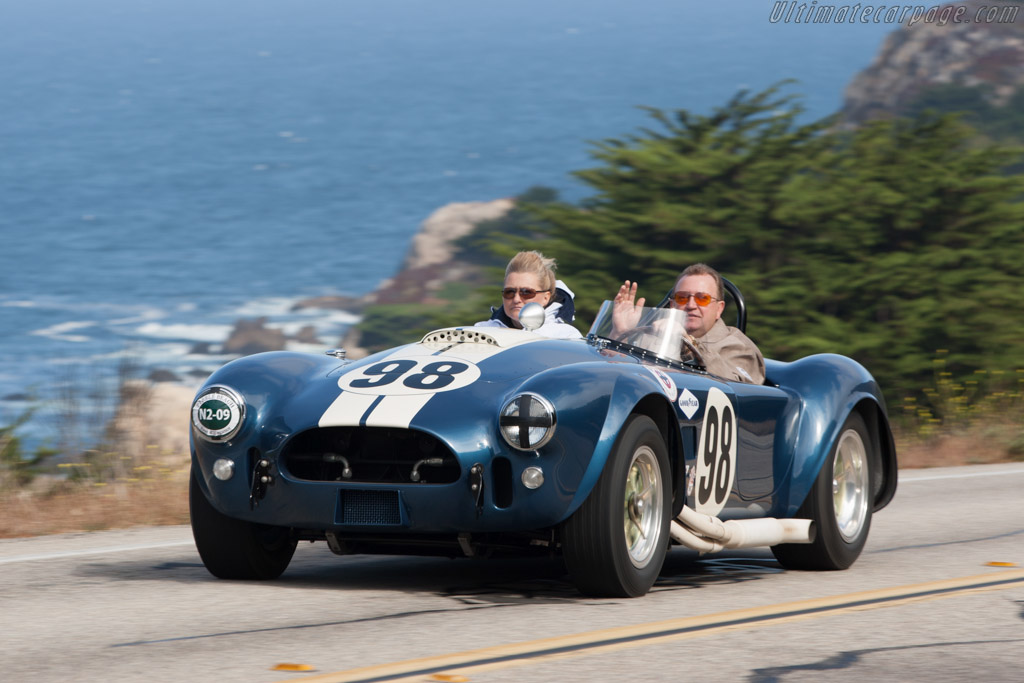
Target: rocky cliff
x=983, y=50
x=429, y=266
x=430, y=263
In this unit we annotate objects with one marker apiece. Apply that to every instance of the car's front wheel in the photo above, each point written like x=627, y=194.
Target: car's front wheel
x=614, y=545
x=839, y=503
x=233, y=548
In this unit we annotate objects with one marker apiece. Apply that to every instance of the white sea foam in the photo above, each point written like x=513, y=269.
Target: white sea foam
x=269, y=307
x=292, y=329
x=305, y=348
x=344, y=317
x=60, y=330
x=156, y=352
x=19, y=304
x=200, y=332
x=153, y=354
x=144, y=316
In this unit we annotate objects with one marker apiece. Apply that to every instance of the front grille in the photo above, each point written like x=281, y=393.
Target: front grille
x=370, y=455
x=370, y=508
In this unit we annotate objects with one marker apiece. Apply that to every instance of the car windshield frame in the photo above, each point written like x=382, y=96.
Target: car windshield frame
x=657, y=336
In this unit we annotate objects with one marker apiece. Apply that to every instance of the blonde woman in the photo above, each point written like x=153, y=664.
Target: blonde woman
x=530, y=277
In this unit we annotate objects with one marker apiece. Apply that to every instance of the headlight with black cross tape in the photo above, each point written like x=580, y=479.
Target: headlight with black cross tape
x=527, y=421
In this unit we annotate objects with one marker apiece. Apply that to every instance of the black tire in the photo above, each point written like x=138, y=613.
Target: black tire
x=235, y=549
x=840, y=504
x=605, y=552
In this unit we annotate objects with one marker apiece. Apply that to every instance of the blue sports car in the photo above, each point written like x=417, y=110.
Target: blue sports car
x=475, y=441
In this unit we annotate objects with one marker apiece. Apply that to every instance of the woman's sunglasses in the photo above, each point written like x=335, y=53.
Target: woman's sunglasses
x=702, y=299
x=524, y=292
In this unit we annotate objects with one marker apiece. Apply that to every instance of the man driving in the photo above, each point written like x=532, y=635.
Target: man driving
x=699, y=292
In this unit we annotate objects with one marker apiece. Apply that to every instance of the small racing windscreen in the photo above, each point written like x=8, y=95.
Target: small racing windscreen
x=655, y=331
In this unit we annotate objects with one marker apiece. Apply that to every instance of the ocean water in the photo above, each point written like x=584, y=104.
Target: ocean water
x=170, y=166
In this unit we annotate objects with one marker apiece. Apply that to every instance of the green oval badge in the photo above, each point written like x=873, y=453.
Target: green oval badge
x=218, y=413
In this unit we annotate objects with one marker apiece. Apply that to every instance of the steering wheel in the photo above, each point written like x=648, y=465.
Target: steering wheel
x=692, y=351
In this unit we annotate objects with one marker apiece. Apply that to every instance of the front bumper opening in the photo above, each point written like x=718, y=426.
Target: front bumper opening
x=370, y=455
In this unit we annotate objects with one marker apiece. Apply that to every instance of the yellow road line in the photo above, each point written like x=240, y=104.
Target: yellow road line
x=642, y=635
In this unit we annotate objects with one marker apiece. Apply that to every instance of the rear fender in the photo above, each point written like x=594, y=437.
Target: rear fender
x=829, y=388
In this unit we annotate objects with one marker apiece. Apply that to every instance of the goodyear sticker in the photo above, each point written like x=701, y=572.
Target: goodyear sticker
x=688, y=403
x=667, y=385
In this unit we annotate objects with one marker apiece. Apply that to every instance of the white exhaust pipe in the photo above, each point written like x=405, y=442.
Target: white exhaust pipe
x=709, y=534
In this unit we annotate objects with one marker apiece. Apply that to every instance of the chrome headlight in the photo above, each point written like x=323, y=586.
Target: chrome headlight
x=218, y=413
x=527, y=422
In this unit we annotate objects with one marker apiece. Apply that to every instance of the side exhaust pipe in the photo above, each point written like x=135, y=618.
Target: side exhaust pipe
x=708, y=534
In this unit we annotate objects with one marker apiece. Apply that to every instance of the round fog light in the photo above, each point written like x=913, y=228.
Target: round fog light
x=533, y=477
x=224, y=469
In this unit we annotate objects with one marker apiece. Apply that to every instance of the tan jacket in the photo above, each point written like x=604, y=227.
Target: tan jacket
x=730, y=354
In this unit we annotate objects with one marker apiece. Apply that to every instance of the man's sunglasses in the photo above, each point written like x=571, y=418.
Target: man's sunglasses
x=702, y=299
x=524, y=292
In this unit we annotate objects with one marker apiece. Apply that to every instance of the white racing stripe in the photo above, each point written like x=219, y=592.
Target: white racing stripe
x=397, y=411
x=346, y=410
x=391, y=409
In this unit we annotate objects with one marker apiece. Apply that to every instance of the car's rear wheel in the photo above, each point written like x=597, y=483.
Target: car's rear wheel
x=614, y=545
x=235, y=549
x=839, y=503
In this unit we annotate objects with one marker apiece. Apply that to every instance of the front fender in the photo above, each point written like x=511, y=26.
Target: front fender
x=593, y=395
x=265, y=381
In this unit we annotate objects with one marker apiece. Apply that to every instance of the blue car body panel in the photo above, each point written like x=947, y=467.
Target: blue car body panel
x=446, y=398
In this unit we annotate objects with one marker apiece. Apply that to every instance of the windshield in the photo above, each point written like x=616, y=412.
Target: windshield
x=652, y=331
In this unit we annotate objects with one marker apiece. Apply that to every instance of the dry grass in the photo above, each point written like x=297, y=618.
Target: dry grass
x=93, y=507
x=950, y=451
x=139, y=479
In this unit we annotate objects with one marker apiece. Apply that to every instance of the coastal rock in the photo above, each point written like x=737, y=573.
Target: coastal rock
x=253, y=336
x=306, y=335
x=350, y=342
x=156, y=423
x=332, y=303
x=162, y=375
x=433, y=244
x=430, y=262
x=988, y=55
x=429, y=266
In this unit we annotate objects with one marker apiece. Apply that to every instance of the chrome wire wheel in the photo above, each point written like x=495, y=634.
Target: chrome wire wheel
x=839, y=503
x=614, y=545
x=850, y=485
x=642, y=506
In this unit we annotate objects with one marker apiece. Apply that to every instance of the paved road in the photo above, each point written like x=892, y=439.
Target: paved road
x=922, y=603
